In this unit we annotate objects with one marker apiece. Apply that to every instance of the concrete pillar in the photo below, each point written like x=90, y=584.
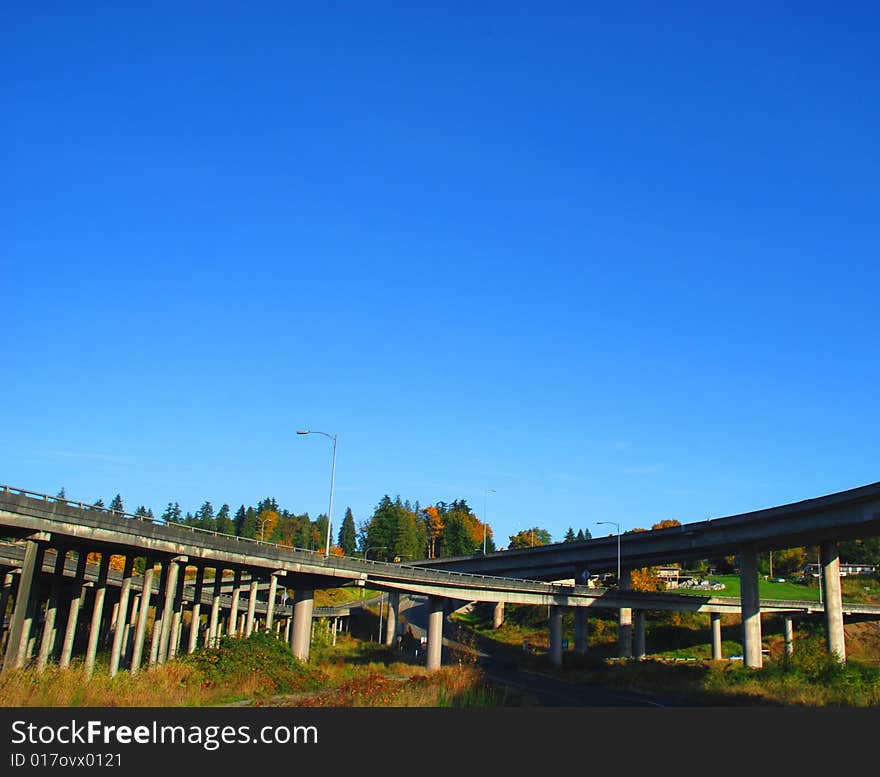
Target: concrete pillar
x=788, y=630
x=555, y=635
x=335, y=626
x=435, y=631
x=232, y=630
x=287, y=631
x=831, y=598
x=47, y=644
x=168, y=608
x=140, y=630
x=214, y=623
x=8, y=585
x=751, y=607
x=303, y=604
x=159, y=612
x=270, y=607
x=498, y=615
x=639, y=652
x=581, y=634
x=23, y=612
x=121, y=615
x=77, y=597
x=624, y=619
x=196, y=610
x=717, y=654
x=97, y=613
x=128, y=633
x=252, y=606
x=177, y=617
x=393, y=612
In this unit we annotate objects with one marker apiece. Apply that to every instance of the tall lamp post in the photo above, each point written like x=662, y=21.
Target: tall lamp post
x=332, y=478
x=486, y=516
x=617, y=526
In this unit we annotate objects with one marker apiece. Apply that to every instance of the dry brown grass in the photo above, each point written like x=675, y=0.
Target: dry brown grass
x=171, y=685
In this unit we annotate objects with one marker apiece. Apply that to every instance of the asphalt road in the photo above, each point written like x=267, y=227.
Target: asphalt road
x=541, y=690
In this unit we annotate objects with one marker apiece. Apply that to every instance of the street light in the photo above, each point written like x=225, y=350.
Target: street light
x=486, y=516
x=617, y=525
x=263, y=526
x=373, y=547
x=332, y=478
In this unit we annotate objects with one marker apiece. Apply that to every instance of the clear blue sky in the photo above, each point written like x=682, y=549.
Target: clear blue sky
x=613, y=262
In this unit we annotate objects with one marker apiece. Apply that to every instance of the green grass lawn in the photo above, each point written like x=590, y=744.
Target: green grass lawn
x=855, y=589
x=766, y=589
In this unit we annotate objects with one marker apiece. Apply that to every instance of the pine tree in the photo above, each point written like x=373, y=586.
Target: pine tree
x=569, y=535
x=116, y=505
x=348, y=534
x=224, y=522
x=172, y=513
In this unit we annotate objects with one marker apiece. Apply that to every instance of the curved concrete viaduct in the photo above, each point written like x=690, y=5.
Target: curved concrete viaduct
x=103, y=607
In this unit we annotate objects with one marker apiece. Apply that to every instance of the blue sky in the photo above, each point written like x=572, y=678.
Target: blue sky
x=615, y=263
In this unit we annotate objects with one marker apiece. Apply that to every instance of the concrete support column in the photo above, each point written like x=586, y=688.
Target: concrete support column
x=159, y=613
x=751, y=607
x=287, y=631
x=97, y=613
x=788, y=630
x=555, y=635
x=140, y=630
x=23, y=612
x=77, y=597
x=232, y=629
x=270, y=607
x=581, y=634
x=170, y=606
x=624, y=619
x=498, y=615
x=195, y=623
x=639, y=652
x=829, y=556
x=47, y=644
x=716, y=636
x=8, y=585
x=128, y=633
x=252, y=607
x=177, y=617
x=303, y=604
x=121, y=615
x=214, y=623
x=335, y=626
x=435, y=631
x=393, y=612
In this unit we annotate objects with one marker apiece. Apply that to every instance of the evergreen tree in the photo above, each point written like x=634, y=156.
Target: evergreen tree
x=172, y=513
x=580, y=535
x=116, y=505
x=61, y=494
x=240, y=515
x=224, y=522
x=99, y=505
x=569, y=535
x=205, y=517
x=347, y=534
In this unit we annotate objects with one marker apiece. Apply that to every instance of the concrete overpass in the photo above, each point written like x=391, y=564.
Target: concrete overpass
x=68, y=529
x=822, y=521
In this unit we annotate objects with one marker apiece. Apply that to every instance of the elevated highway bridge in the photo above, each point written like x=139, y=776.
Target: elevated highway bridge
x=72, y=603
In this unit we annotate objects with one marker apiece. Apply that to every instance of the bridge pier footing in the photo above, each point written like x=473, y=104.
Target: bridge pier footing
x=555, y=635
x=716, y=636
x=581, y=635
x=751, y=607
x=303, y=604
x=435, y=632
x=830, y=560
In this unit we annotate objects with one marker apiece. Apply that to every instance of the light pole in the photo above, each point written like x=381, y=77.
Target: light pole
x=332, y=478
x=262, y=527
x=486, y=516
x=367, y=558
x=617, y=526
